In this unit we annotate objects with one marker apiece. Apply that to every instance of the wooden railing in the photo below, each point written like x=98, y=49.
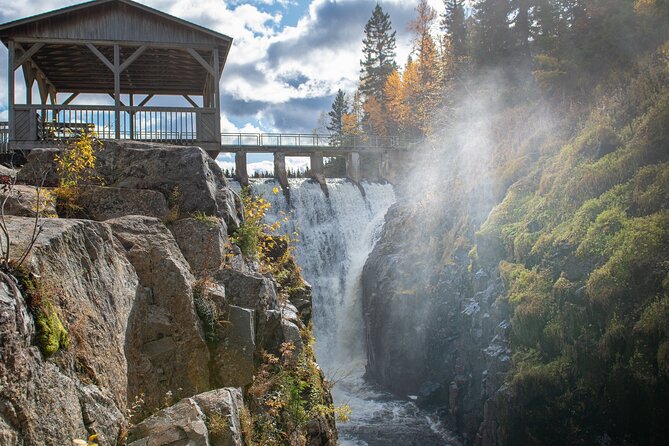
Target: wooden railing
x=309, y=141
x=169, y=124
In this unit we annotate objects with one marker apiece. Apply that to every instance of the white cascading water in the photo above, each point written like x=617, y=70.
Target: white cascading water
x=336, y=235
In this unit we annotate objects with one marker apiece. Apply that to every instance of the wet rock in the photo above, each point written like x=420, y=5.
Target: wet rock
x=165, y=343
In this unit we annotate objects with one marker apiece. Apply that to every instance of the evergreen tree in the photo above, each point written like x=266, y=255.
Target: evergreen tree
x=454, y=26
x=493, y=40
x=337, y=114
x=378, y=54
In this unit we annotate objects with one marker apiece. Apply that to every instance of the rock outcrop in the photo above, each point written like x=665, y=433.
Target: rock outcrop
x=82, y=270
x=113, y=320
x=435, y=328
x=189, y=179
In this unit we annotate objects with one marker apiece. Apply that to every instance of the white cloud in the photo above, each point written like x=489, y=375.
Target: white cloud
x=277, y=78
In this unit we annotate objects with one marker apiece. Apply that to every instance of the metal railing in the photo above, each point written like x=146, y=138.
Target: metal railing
x=136, y=123
x=307, y=140
x=168, y=124
x=4, y=137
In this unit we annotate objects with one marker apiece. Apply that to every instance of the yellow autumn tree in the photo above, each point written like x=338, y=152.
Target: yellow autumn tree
x=376, y=116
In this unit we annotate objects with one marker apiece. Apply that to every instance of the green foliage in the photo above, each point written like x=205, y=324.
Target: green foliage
x=249, y=234
x=584, y=239
x=206, y=310
x=52, y=335
x=75, y=166
x=287, y=392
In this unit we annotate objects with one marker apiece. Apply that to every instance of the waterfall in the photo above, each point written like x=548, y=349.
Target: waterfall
x=336, y=234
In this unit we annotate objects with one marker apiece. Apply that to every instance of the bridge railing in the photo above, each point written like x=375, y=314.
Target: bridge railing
x=310, y=140
x=4, y=137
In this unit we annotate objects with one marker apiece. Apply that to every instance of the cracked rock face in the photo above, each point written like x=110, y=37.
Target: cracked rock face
x=164, y=341
x=82, y=389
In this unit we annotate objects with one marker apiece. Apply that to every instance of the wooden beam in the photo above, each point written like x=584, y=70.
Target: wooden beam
x=203, y=62
x=138, y=52
x=145, y=100
x=71, y=98
x=101, y=56
x=117, y=89
x=28, y=54
x=37, y=69
x=29, y=77
x=113, y=96
x=217, y=97
x=149, y=44
x=191, y=101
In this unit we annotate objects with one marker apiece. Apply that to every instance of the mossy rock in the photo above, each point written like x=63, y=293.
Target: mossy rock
x=51, y=333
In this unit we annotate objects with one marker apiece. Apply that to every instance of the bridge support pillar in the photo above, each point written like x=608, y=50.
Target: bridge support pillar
x=353, y=167
x=280, y=169
x=317, y=172
x=240, y=169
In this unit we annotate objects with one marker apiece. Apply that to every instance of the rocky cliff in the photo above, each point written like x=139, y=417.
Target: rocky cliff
x=520, y=284
x=146, y=326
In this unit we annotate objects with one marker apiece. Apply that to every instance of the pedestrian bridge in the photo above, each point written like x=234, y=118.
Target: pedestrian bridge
x=314, y=146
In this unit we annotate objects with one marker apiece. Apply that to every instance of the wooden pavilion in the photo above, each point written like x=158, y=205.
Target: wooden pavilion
x=122, y=49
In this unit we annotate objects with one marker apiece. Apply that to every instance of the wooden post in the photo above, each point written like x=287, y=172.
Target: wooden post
x=117, y=90
x=29, y=77
x=217, y=96
x=10, y=77
x=132, y=117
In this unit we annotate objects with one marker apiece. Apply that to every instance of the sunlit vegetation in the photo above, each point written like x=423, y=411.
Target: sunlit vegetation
x=585, y=238
x=288, y=392
x=75, y=166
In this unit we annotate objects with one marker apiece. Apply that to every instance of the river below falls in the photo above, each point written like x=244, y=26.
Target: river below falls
x=336, y=235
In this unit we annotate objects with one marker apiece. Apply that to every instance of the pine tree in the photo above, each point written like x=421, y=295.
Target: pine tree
x=337, y=114
x=493, y=40
x=454, y=27
x=378, y=54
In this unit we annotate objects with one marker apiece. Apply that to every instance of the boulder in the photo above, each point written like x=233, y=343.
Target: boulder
x=7, y=172
x=40, y=168
x=103, y=203
x=233, y=355
x=22, y=201
x=165, y=343
x=190, y=179
x=202, y=242
x=83, y=272
x=210, y=418
x=221, y=408
x=248, y=289
x=181, y=424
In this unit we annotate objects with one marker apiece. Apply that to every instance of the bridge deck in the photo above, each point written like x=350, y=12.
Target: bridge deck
x=308, y=144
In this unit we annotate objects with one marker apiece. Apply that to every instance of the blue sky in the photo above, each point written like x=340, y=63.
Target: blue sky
x=288, y=58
